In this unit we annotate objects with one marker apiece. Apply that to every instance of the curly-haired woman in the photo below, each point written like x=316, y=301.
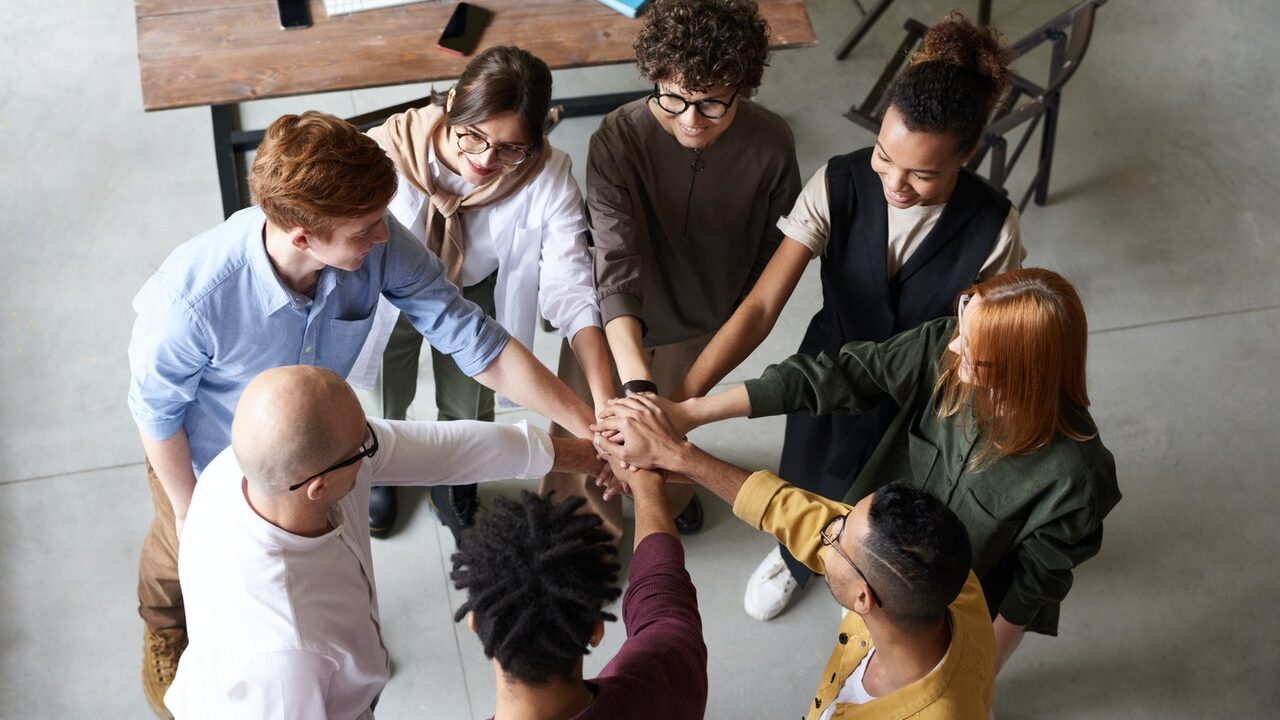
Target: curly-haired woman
x=901, y=227
x=684, y=188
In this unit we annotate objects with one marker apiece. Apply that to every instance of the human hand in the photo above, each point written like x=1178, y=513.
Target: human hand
x=678, y=415
x=644, y=435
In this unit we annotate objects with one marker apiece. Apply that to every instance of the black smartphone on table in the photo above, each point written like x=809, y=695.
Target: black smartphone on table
x=462, y=34
x=293, y=14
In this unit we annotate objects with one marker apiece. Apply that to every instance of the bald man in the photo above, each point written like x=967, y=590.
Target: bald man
x=282, y=609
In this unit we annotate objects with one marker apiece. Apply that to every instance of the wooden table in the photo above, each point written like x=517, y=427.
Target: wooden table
x=224, y=52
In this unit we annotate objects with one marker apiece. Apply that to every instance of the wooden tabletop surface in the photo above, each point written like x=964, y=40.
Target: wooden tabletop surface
x=207, y=52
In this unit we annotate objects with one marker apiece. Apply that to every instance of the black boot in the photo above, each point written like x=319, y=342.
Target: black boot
x=689, y=521
x=382, y=511
x=456, y=507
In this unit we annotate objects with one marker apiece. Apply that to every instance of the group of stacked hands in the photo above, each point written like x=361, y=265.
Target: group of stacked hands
x=942, y=471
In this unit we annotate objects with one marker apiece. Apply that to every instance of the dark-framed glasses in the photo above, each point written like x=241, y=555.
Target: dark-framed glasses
x=833, y=539
x=674, y=104
x=510, y=155
x=367, y=450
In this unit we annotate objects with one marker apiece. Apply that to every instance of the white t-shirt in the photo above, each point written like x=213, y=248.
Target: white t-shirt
x=809, y=223
x=852, y=692
x=286, y=626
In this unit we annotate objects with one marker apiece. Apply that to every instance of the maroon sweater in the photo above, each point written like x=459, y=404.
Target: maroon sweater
x=661, y=670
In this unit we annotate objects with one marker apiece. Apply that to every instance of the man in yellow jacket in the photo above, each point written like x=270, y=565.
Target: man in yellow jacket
x=917, y=640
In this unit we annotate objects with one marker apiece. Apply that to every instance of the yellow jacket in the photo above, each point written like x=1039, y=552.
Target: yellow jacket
x=961, y=685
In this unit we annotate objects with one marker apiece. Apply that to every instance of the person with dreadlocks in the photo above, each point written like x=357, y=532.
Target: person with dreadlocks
x=538, y=573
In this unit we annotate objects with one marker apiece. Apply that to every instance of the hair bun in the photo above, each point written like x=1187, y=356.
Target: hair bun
x=957, y=41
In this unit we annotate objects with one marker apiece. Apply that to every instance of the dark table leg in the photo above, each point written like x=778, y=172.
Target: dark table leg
x=227, y=155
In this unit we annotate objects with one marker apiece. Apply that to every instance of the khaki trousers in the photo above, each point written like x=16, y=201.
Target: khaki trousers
x=669, y=364
x=159, y=595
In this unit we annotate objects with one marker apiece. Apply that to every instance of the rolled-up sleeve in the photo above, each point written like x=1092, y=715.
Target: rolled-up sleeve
x=168, y=352
x=457, y=452
x=566, y=288
x=615, y=245
x=414, y=280
x=793, y=516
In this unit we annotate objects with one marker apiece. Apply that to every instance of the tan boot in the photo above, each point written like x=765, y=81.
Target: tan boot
x=160, y=652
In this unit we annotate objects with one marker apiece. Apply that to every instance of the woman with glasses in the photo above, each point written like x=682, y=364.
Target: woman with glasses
x=993, y=420
x=901, y=228
x=684, y=188
x=482, y=188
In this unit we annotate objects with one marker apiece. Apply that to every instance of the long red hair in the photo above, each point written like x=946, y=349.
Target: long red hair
x=1028, y=346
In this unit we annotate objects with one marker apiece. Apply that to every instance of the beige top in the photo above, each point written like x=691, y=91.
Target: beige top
x=809, y=224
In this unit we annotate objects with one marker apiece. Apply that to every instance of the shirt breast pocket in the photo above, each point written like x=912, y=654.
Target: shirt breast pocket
x=348, y=336
x=991, y=534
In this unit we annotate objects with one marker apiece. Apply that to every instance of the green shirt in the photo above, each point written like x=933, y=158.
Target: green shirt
x=1031, y=518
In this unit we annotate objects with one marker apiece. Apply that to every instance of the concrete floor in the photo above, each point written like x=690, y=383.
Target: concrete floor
x=1163, y=213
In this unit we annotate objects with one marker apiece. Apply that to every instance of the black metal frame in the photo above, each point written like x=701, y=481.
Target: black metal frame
x=871, y=17
x=1069, y=34
x=230, y=143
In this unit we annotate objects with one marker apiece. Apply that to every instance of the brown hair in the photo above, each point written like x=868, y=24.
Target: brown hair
x=1028, y=347
x=704, y=44
x=502, y=79
x=954, y=81
x=314, y=170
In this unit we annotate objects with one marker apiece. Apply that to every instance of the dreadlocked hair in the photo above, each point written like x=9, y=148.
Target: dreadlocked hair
x=537, y=574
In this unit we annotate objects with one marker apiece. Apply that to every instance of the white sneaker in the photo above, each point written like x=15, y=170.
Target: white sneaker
x=770, y=587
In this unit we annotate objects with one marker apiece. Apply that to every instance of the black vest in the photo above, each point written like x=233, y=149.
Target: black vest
x=861, y=302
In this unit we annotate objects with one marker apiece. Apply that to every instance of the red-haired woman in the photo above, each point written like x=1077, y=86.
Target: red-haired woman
x=993, y=420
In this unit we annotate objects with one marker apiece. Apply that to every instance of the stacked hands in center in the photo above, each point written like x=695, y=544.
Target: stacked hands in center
x=642, y=431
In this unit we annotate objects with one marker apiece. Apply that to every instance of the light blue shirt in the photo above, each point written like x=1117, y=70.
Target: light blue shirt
x=216, y=314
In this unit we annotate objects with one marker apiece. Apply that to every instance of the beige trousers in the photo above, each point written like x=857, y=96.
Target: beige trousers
x=669, y=364
x=159, y=595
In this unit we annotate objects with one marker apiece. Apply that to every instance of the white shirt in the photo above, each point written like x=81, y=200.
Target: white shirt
x=853, y=692
x=809, y=223
x=285, y=626
x=538, y=239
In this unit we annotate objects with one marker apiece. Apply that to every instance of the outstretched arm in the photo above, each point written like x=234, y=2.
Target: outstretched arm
x=517, y=374
x=751, y=323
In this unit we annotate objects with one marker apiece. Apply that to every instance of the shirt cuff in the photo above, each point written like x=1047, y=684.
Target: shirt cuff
x=542, y=454
x=755, y=497
x=766, y=396
x=617, y=304
x=585, y=318
x=485, y=350
x=802, y=233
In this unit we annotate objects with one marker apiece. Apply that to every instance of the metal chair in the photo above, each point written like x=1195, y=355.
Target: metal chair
x=1027, y=104
x=871, y=17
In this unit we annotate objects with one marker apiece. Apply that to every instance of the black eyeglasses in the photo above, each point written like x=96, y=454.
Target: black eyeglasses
x=472, y=144
x=366, y=451
x=674, y=104
x=834, y=542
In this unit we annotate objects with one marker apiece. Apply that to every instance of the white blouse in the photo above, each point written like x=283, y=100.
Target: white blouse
x=539, y=238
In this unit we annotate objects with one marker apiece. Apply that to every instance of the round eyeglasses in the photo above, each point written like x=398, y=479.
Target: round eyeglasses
x=674, y=104
x=831, y=536
x=509, y=155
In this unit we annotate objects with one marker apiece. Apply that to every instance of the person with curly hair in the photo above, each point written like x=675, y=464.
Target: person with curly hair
x=537, y=574
x=684, y=188
x=901, y=227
